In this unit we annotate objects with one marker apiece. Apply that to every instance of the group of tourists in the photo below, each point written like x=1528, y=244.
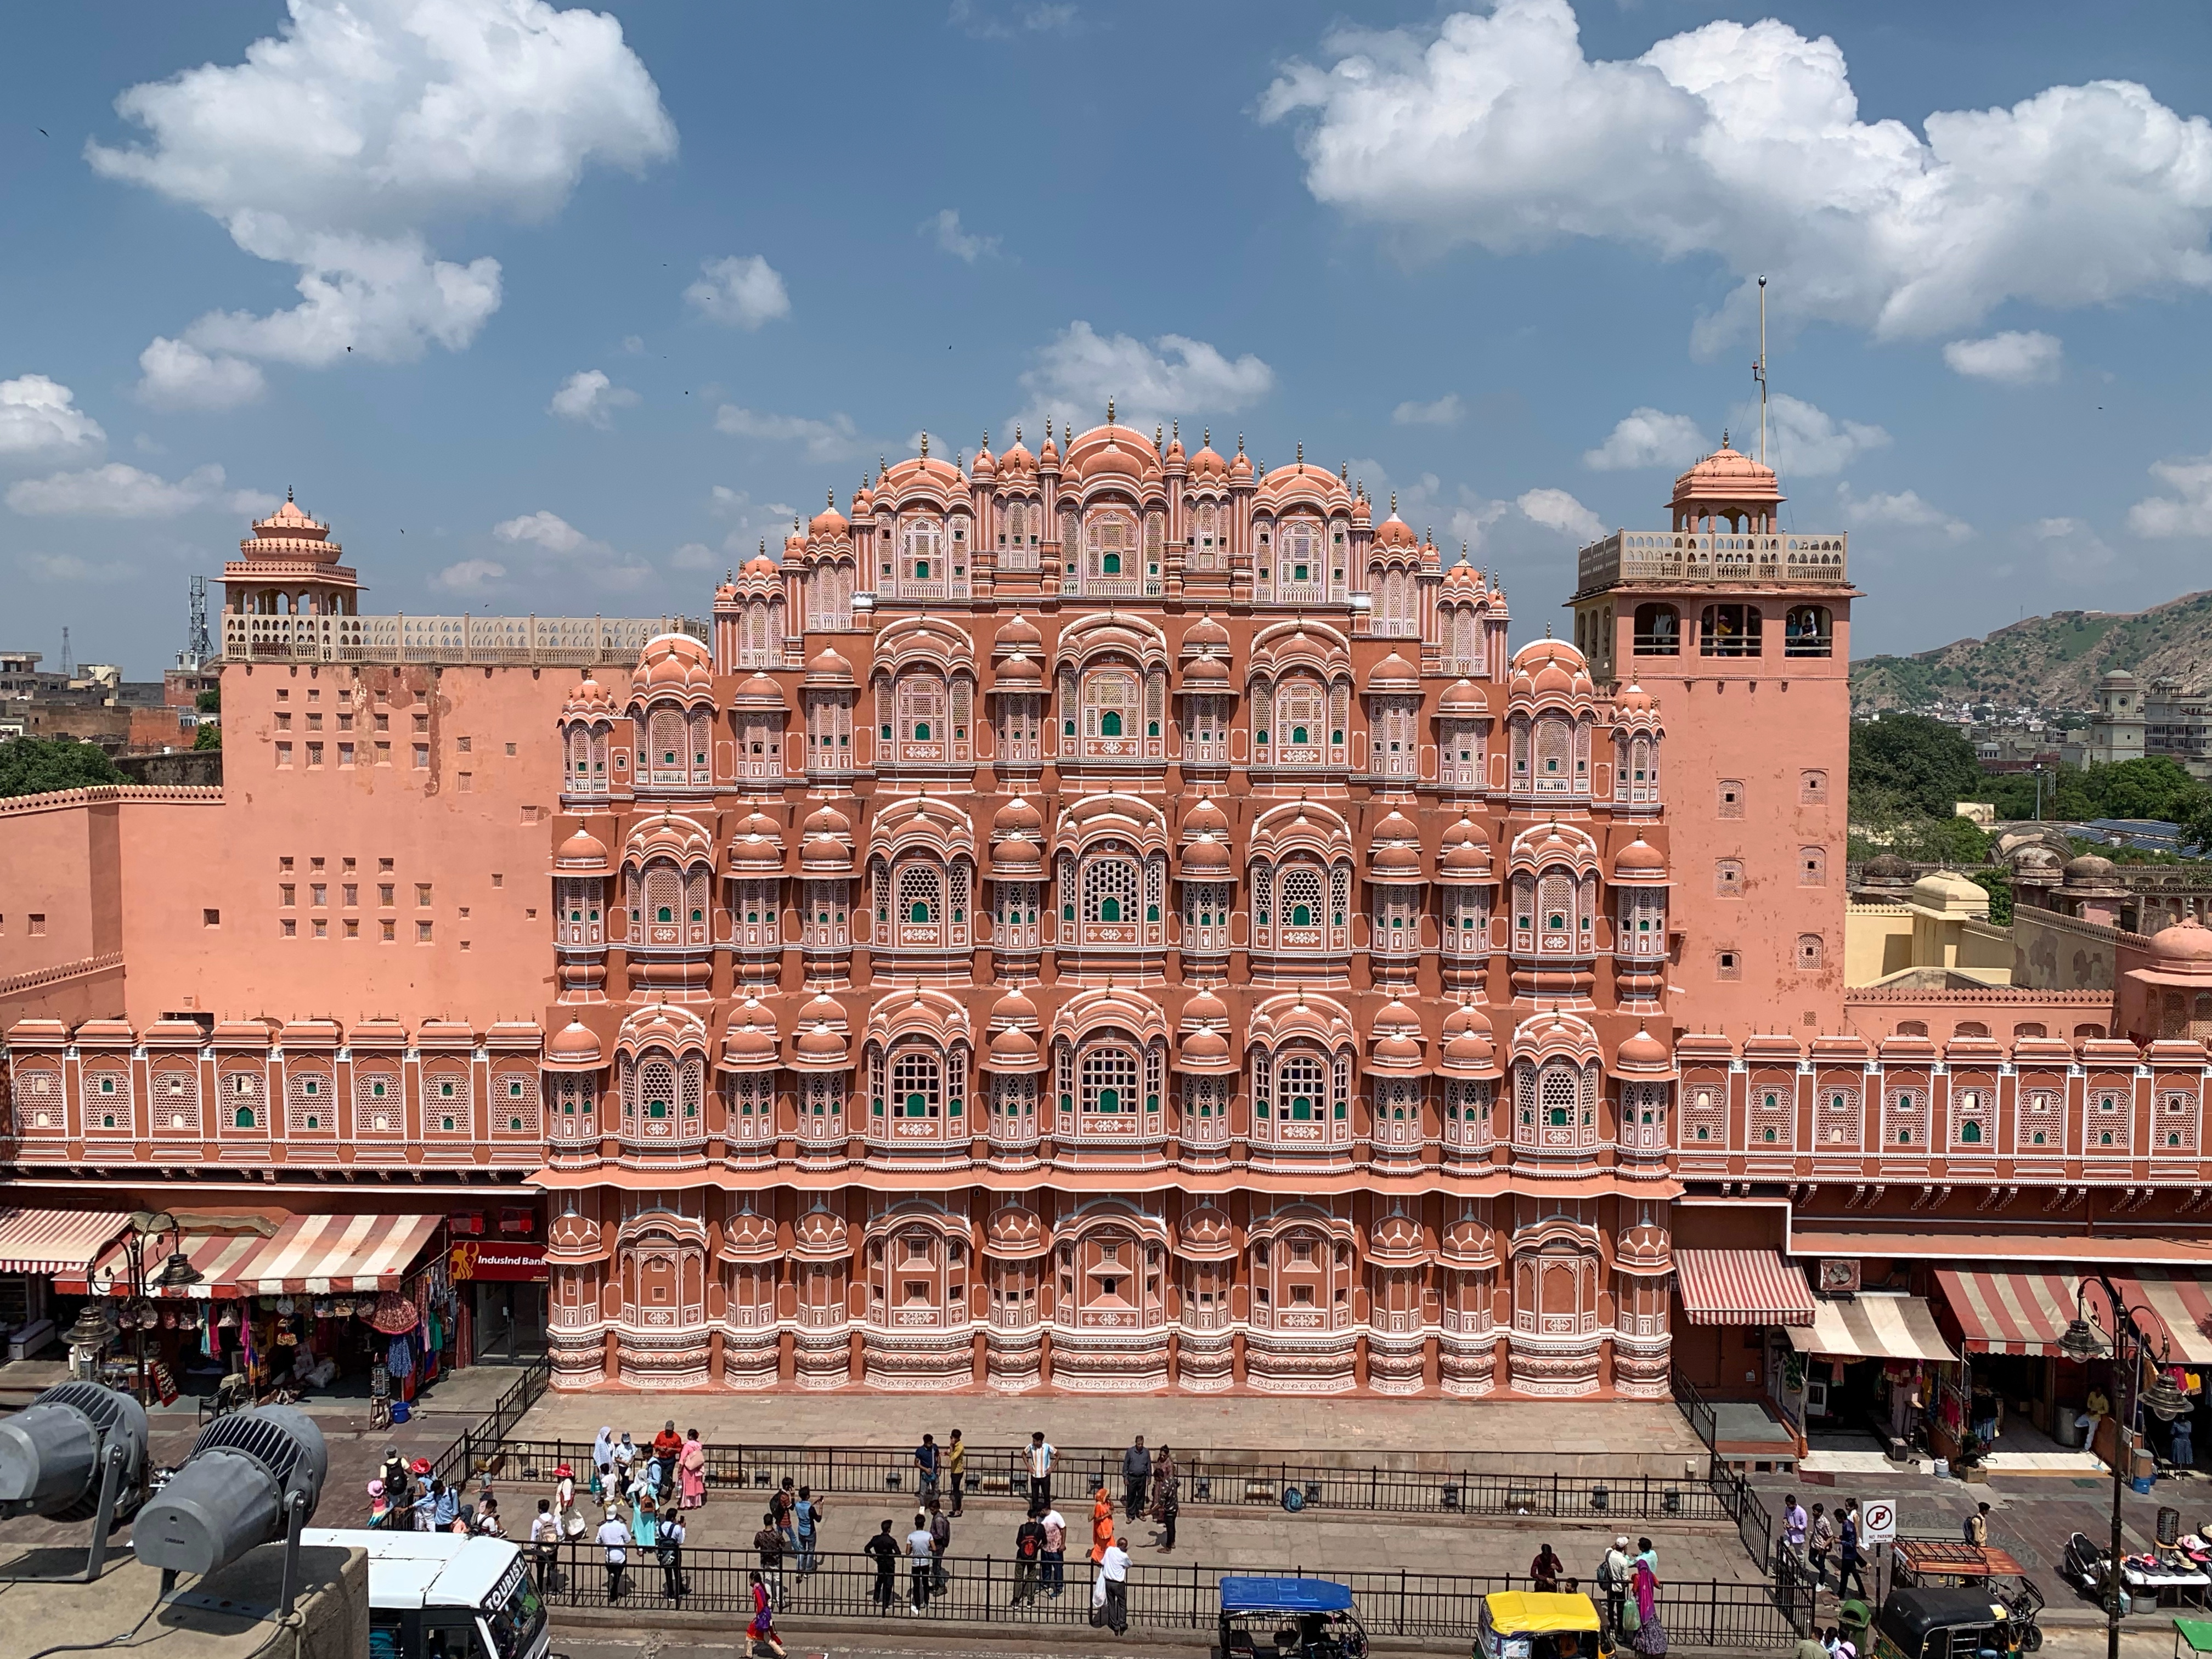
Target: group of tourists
x=1808, y=1539
x=1628, y=1592
x=407, y=1497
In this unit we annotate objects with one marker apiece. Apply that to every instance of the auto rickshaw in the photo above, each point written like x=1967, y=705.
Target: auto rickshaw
x=1931, y=1622
x=1533, y=1625
x=1288, y=1619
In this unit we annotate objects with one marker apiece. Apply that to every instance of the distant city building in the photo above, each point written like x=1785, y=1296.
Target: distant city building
x=2129, y=723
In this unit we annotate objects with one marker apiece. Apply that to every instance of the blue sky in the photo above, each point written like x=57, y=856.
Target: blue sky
x=624, y=289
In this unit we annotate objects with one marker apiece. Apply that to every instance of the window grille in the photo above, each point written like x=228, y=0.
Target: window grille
x=1299, y=1089
x=1300, y=896
x=920, y=891
x=176, y=1103
x=1109, y=1081
x=916, y=1084
x=244, y=1101
x=1110, y=890
x=308, y=1103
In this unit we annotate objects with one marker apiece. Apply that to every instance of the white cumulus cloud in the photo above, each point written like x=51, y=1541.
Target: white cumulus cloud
x=693, y=556
x=1447, y=411
x=743, y=291
x=945, y=227
x=1647, y=437
x=2072, y=550
x=1905, y=510
x=556, y=547
x=1555, y=509
x=2188, y=511
x=342, y=138
x=1742, y=144
x=590, y=397
x=2011, y=358
x=1802, y=438
x=1079, y=369
x=470, y=577
x=835, y=439
x=177, y=375
x=40, y=416
x=120, y=492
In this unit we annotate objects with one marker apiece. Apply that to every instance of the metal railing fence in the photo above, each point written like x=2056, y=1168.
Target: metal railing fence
x=981, y=1590
x=1472, y=1483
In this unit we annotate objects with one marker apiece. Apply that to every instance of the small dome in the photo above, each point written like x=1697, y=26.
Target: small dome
x=1396, y=826
x=822, y=1045
x=825, y=855
x=1018, y=817
x=1400, y=863
x=1394, y=673
x=828, y=821
x=2091, y=869
x=1206, y=859
x=759, y=691
x=1639, y=857
x=1469, y=1244
x=2187, y=942
x=1014, y=1228
x=1203, y=1007
x=1017, y=633
x=1641, y=1052
x=1644, y=1245
x=1886, y=869
x=1205, y=820
x=750, y=1044
x=1205, y=634
x=1205, y=1231
x=1634, y=700
x=828, y=668
x=1194, y=1049
x=675, y=662
x=1205, y=673
x=1019, y=669
x=1464, y=699
x=589, y=697
x=574, y=1042
x=1016, y=856
x=1014, y=1051
x=1395, y=532
x=582, y=850
x=1013, y=1008
x=820, y=1235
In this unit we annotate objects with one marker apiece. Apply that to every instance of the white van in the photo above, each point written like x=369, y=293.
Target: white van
x=442, y=1595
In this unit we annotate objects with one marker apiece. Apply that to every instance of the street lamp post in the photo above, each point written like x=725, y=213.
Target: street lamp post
x=2160, y=1397
x=173, y=1274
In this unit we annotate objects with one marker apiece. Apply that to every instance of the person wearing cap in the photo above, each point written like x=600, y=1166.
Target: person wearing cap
x=1613, y=1573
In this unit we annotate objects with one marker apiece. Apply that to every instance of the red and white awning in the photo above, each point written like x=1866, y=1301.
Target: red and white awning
x=320, y=1254
x=1742, y=1287
x=1873, y=1326
x=2183, y=1301
x=2010, y=1313
x=55, y=1241
x=217, y=1256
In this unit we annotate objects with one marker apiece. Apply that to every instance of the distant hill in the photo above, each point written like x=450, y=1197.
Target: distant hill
x=2050, y=662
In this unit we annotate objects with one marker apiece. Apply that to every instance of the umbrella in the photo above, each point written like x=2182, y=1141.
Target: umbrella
x=395, y=1314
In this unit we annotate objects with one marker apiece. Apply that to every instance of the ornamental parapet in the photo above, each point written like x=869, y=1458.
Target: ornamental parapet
x=542, y=641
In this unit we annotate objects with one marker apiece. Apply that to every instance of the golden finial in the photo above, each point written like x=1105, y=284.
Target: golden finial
x=1158, y=431
x=985, y=444
x=1018, y=432
x=1209, y=438
x=1110, y=411
x=1393, y=503
x=1240, y=443
x=1301, y=454
x=924, y=445
x=830, y=499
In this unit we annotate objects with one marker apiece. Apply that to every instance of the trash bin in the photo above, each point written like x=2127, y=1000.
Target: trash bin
x=1852, y=1621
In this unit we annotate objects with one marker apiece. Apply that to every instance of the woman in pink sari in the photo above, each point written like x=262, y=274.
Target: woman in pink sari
x=691, y=1471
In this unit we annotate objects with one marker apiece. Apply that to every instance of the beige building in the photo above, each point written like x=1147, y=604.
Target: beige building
x=1930, y=933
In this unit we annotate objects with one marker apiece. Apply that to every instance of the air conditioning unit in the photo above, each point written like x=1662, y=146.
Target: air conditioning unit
x=1839, y=1275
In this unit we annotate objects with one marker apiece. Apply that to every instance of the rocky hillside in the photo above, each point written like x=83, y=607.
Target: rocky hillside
x=2049, y=662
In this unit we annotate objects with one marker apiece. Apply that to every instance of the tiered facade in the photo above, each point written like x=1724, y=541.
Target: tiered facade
x=1109, y=919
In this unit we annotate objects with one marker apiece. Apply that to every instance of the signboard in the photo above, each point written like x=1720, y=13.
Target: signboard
x=520, y=1262
x=1878, y=1519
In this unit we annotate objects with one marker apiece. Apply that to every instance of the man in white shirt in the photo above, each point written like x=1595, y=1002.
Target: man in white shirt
x=544, y=1540
x=616, y=1537
x=1041, y=1454
x=921, y=1557
x=1114, y=1569
x=1054, y=1577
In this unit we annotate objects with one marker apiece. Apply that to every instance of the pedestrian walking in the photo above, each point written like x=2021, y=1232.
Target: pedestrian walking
x=1041, y=1454
x=1114, y=1574
x=603, y=1447
x=545, y=1544
x=1102, y=1524
x=614, y=1537
x=667, y=1447
x=805, y=1526
x=924, y=1467
x=691, y=1470
x=1649, y=1638
x=768, y=1544
x=1136, y=1477
x=1794, y=1525
x=940, y=1538
x=1029, y=1556
x=883, y=1549
x=1167, y=1496
x=1848, y=1573
x=956, y=1470
x=1848, y=1567
x=761, y=1634
x=487, y=1524
x=1809, y=1647
x=1614, y=1573
x=624, y=1456
x=639, y=1489
x=669, y=1547
x=921, y=1559
x=1545, y=1571
x=1819, y=1542
x=392, y=1472
x=1054, y=1576
x=782, y=1503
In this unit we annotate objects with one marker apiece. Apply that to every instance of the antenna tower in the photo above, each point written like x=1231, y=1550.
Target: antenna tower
x=69, y=667
x=198, y=648
x=1759, y=371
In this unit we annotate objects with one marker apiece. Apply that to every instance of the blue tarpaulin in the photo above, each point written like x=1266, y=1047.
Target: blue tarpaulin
x=1242, y=1595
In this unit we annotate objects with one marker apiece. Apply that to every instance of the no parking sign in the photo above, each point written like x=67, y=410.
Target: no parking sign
x=1878, y=1519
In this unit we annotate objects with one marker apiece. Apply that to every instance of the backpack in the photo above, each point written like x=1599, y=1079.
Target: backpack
x=1294, y=1499
x=1607, y=1579
x=1029, y=1543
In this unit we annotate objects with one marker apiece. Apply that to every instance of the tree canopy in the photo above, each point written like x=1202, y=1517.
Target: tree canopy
x=32, y=766
x=1908, y=764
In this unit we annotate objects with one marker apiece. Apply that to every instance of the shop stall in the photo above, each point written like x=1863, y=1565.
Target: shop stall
x=36, y=1246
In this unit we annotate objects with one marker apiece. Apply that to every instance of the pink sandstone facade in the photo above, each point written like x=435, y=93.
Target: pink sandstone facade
x=1095, y=920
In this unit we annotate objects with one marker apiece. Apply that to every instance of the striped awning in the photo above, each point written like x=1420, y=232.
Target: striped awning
x=217, y=1256
x=2010, y=1313
x=1873, y=1328
x=55, y=1240
x=2179, y=1298
x=320, y=1254
x=1742, y=1287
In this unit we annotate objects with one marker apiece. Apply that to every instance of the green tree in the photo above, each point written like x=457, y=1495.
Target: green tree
x=1910, y=763
x=1998, y=883
x=209, y=702
x=209, y=736
x=32, y=766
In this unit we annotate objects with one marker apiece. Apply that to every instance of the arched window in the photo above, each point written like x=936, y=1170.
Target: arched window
x=1729, y=630
x=1301, y=895
x=1300, y=1080
x=920, y=893
x=1807, y=631
x=916, y=1084
x=1658, y=631
x=1109, y=1081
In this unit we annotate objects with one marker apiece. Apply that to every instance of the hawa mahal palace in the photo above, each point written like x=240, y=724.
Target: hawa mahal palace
x=1107, y=918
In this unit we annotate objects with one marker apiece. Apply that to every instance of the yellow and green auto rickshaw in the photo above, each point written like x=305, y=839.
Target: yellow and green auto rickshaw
x=1535, y=1624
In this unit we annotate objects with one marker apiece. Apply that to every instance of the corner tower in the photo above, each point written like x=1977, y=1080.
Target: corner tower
x=1743, y=634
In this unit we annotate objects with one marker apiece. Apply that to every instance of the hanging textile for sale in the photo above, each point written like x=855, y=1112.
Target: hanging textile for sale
x=400, y=1359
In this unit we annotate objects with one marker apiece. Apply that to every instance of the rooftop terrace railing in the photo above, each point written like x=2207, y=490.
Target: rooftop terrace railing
x=548, y=642
x=1682, y=555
